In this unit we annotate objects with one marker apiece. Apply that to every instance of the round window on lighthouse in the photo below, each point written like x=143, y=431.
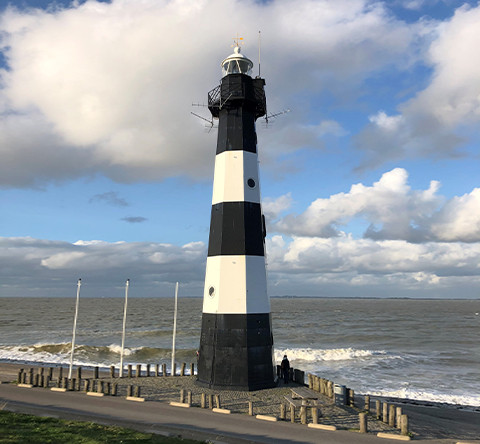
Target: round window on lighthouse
x=211, y=292
x=251, y=183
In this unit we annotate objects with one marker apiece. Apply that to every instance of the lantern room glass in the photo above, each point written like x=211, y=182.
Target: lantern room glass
x=237, y=66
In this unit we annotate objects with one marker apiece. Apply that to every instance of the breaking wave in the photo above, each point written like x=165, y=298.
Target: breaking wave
x=336, y=354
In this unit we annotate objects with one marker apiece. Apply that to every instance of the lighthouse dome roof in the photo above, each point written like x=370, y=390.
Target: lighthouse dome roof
x=237, y=63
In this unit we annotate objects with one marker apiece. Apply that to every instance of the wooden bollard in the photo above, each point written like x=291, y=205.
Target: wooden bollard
x=65, y=383
x=203, y=401
x=367, y=403
x=60, y=374
x=148, y=370
x=182, y=395
x=137, y=391
x=182, y=370
x=73, y=384
x=37, y=380
x=292, y=413
x=192, y=368
x=210, y=401
x=250, y=408
x=95, y=373
x=157, y=370
x=315, y=415
x=362, y=419
x=189, y=397
x=385, y=413
x=377, y=409
x=24, y=378
x=303, y=414
x=112, y=371
x=99, y=386
x=351, y=398
x=30, y=376
x=404, y=425
x=87, y=385
x=108, y=388
x=164, y=369
x=217, y=402
x=398, y=416
x=138, y=371
x=114, y=389
x=129, y=370
x=283, y=414
x=331, y=394
x=79, y=373
x=391, y=416
x=130, y=390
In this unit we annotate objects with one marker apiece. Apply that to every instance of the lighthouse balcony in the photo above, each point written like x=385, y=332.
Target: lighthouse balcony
x=238, y=90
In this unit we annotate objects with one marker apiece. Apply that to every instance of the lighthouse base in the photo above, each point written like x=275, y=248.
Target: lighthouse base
x=236, y=352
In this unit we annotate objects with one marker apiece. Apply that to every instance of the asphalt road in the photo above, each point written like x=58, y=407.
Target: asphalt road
x=165, y=419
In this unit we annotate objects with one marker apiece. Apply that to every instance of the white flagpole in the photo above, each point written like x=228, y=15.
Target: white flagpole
x=174, y=329
x=79, y=283
x=127, y=284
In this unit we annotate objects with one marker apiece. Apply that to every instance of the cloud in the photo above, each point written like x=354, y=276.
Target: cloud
x=99, y=88
x=441, y=118
x=110, y=198
x=134, y=219
x=35, y=267
x=312, y=266
x=393, y=211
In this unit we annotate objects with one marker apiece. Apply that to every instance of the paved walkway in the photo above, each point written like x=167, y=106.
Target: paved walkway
x=161, y=417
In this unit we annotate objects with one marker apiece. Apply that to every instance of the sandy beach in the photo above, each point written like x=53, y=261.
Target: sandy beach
x=427, y=421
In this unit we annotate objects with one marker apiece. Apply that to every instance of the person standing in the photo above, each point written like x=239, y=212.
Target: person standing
x=285, y=366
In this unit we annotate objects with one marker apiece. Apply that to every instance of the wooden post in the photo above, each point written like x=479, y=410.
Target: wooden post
x=282, y=412
x=351, y=397
x=112, y=371
x=95, y=373
x=109, y=388
x=203, y=401
x=24, y=377
x=217, y=402
x=50, y=373
x=398, y=416
x=114, y=389
x=192, y=369
x=404, y=425
x=37, y=380
x=60, y=375
x=189, y=397
x=315, y=415
x=377, y=409
x=362, y=419
x=87, y=385
x=79, y=373
x=391, y=416
x=74, y=384
x=99, y=386
x=137, y=391
x=367, y=403
x=164, y=369
x=250, y=408
x=148, y=370
x=130, y=390
x=182, y=395
x=385, y=413
x=65, y=383
x=182, y=370
x=292, y=413
x=330, y=389
x=210, y=401
x=46, y=382
x=157, y=369
x=138, y=372
x=129, y=374
x=303, y=414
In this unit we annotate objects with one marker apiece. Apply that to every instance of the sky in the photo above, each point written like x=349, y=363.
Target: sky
x=370, y=184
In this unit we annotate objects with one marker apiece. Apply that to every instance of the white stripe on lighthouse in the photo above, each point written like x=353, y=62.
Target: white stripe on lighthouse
x=235, y=285
x=236, y=177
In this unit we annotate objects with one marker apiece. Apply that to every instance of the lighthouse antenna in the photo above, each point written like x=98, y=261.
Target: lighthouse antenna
x=259, y=48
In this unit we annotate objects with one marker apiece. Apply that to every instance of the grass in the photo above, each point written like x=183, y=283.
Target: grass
x=20, y=428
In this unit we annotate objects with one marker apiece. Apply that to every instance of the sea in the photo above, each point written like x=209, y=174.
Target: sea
x=404, y=348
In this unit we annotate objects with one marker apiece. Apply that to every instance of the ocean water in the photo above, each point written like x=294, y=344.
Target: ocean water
x=417, y=349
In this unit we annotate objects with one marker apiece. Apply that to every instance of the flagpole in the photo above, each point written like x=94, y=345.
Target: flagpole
x=127, y=284
x=79, y=283
x=174, y=330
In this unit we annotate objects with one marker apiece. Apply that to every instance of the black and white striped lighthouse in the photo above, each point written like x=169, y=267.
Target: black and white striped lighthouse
x=236, y=344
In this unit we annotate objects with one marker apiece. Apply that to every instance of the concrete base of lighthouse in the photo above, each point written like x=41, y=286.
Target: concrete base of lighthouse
x=236, y=352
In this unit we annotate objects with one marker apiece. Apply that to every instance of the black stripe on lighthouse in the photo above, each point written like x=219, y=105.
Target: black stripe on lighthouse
x=236, y=228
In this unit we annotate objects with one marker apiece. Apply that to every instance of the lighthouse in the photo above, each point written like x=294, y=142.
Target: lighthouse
x=236, y=343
